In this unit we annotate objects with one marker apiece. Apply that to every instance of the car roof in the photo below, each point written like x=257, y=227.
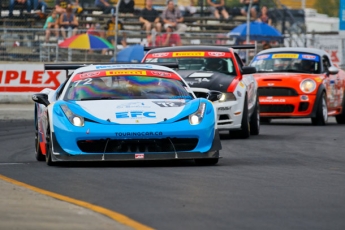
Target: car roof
x=190, y=48
x=122, y=66
x=294, y=49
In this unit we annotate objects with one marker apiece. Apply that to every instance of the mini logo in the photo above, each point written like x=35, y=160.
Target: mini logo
x=216, y=54
x=160, y=54
x=139, y=156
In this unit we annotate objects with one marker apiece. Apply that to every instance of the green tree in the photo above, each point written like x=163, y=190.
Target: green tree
x=331, y=8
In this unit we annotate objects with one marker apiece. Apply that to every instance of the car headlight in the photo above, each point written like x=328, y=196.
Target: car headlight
x=196, y=118
x=308, y=85
x=73, y=118
x=227, y=97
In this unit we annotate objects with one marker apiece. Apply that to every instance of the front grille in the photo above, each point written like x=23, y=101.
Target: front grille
x=276, y=108
x=138, y=145
x=276, y=91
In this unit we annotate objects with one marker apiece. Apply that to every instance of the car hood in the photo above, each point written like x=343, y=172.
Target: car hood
x=282, y=79
x=207, y=79
x=134, y=111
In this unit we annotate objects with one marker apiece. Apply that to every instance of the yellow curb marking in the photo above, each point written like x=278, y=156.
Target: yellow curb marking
x=113, y=215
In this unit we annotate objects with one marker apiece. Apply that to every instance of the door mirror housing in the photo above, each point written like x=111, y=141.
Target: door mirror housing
x=333, y=70
x=41, y=98
x=248, y=70
x=214, y=95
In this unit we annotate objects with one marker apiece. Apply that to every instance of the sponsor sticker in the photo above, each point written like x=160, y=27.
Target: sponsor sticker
x=311, y=57
x=160, y=73
x=135, y=114
x=137, y=134
x=285, y=55
x=224, y=108
x=160, y=54
x=318, y=79
x=262, y=56
x=169, y=103
x=216, y=54
x=241, y=84
x=90, y=74
x=139, y=156
x=188, y=54
x=125, y=72
x=271, y=99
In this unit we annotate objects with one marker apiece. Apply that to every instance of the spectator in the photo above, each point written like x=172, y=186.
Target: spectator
x=266, y=46
x=166, y=39
x=40, y=5
x=62, y=5
x=68, y=21
x=172, y=17
x=77, y=9
x=111, y=31
x=126, y=6
x=105, y=6
x=186, y=7
x=19, y=2
x=263, y=16
x=253, y=11
x=95, y=29
x=51, y=24
x=218, y=9
x=150, y=18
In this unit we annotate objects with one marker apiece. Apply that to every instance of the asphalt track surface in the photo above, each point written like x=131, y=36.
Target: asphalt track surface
x=291, y=176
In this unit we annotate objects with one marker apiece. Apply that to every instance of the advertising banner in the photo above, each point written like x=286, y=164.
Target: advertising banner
x=26, y=79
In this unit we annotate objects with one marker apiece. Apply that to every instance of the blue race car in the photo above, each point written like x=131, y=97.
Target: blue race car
x=125, y=112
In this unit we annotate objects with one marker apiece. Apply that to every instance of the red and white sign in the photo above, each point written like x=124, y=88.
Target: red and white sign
x=332, y=45
x=139, y=156
x=28, y=78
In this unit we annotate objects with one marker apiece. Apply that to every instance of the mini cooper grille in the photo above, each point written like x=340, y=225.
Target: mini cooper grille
x=138, y=145
x=276, y=108
x=276, y=91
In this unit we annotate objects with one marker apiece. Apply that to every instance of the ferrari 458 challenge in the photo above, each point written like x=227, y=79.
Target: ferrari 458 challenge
x=218, y=68
x=299, y=83
x=123, y=112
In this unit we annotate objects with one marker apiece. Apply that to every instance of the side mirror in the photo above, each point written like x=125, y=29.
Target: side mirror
x=248, y=70
x=213, y=95
x=333, y=70
x=41, y=98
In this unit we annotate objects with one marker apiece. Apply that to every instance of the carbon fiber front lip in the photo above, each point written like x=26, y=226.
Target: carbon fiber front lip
x=64, y=156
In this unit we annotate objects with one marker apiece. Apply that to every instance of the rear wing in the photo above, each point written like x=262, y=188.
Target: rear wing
x=74, y=66
x=249, y=46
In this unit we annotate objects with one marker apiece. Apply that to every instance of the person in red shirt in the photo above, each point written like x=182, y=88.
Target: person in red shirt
x=166, y=39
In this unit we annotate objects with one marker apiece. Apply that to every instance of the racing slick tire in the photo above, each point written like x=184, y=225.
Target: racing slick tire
x=208, y=161
x=49, y=147
x=38, y=152
x=244, y=133
x=255, y=120
x=341, y=117
x=321, y=112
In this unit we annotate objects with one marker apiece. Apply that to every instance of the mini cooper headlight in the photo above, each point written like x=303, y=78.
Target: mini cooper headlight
x=196, y=118
x=308, y=85
x=227, y=97
x=73, y=118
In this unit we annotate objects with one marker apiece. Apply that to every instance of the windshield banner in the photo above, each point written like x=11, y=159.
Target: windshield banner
x=287, y=56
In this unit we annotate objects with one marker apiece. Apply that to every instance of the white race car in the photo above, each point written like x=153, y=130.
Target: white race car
x=218, y=68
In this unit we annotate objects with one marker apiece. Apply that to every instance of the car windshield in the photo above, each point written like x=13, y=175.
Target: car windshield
x=126, y=87
x=287, y=62
x=223, y=65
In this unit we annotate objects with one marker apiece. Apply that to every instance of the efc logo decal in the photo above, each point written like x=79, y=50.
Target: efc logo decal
x=125, y=72
x=285, y=56
x=188, y=54
x=135, y=114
